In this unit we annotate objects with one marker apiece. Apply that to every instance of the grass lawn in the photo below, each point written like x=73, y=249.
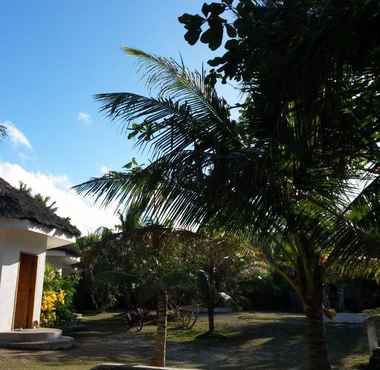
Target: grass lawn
x=248, y=341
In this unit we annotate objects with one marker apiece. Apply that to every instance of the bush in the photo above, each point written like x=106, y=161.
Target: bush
x=265, y=292
x=57, y=299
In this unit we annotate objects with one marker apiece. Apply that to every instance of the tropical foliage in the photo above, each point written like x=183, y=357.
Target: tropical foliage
x=295, y=171
x=43, y=199
x=57, y=300
x=146, y=265
x=51, y=302
x=286, y=195
x=222, y=261
x=97, y=288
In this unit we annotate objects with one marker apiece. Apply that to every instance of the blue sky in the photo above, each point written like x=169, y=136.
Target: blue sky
x=55, y=56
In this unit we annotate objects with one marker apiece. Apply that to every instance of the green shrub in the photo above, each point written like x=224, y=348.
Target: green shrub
x=57, y=300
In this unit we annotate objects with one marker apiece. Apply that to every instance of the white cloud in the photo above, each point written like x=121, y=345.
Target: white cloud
x=84, y=117
x=83, y=214
x=16, y=136
x=104, y=169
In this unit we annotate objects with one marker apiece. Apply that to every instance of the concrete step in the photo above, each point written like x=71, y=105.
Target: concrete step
x=61, y=342
x=117, y=366
x=30, y=335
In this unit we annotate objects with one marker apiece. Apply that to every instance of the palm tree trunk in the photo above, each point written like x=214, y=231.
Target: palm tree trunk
x=211, y=300
x=316, y=345
x=159, y=357
x=211, y=322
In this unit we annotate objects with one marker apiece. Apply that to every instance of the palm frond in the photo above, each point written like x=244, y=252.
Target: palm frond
x=173, y=80
x=364, y=209
x=3, y=131
x=165, y=124
x=151, y=188
x=355, y=235
x=354, y=252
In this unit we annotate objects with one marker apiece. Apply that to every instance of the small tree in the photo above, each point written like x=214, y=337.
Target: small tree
x=220, y=258
x=97, y=288
x=159, y=262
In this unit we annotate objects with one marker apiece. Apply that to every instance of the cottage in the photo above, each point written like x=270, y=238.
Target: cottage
x=27, y=230
x=63, y=259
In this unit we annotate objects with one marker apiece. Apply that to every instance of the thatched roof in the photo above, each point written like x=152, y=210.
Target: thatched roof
x=20, y=205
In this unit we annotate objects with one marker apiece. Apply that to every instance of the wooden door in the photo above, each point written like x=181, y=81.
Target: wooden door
x=25, y=291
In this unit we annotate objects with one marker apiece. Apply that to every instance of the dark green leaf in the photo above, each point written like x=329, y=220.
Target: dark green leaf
x=192, y=36
x=231, y=32
x=231, y=44
x=205, y=9
x=215, y=62
x=216, y=9
x=191, y=21
x=214, y=35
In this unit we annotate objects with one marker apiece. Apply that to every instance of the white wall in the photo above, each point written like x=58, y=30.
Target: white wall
x=61, y=261
x=12, y=243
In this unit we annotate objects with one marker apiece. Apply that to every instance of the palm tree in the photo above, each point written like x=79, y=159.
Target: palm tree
x=3, y=131
x=47, y=202
x=25, y=188
x=286, y=194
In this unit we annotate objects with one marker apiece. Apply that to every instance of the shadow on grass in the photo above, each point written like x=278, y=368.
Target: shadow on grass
x=240, y=344
x=273, y=345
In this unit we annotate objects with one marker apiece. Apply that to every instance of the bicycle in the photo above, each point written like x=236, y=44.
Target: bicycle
x=135, y=319
x=185, y=317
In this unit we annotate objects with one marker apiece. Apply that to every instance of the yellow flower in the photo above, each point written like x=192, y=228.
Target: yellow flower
x=61, y=297
x=50, y=301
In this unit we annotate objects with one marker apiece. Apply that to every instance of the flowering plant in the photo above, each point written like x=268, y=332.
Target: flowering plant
x=51, y=301
x=57, y=307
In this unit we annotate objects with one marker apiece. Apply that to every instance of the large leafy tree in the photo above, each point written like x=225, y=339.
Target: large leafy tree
x=273, y=176
x=310, y=70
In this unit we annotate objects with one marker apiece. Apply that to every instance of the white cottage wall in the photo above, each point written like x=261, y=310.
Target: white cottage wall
x=12, y=243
